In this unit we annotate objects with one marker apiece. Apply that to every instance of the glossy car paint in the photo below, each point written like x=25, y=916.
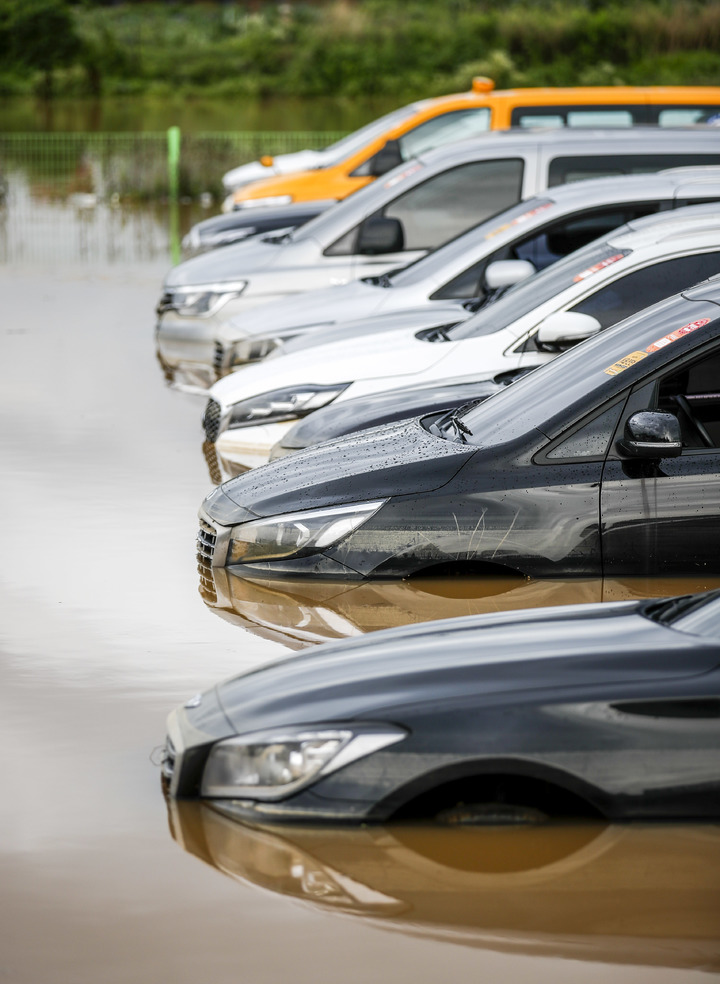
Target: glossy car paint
x=608, y=702
x=499, y=338
x=538, y=484
x=274, y=266
x=443, y=274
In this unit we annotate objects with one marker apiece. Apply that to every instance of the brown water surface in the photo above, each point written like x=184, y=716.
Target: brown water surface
x=103, y=632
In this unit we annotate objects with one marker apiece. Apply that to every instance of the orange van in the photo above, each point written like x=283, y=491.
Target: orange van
x=433, y=122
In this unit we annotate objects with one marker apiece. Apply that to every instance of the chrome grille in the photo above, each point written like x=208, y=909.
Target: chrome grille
x=211, y=420
x=219, y=356
x=206, y=540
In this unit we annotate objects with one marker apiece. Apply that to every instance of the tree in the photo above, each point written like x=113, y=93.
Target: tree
x=39, y=35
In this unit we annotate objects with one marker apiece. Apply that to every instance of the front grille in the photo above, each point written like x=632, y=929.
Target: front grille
x=206, y=587
x=168, y=760
x=211, y=420
x=219, y=356
x=206, y=540
x=166, y=302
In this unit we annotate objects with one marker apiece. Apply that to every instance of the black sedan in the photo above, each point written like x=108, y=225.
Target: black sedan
x=231, y=227
x=603, y=462
x=601, y=710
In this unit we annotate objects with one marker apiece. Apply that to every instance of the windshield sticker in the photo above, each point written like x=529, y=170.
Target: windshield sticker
x=519, y=219
x=596, y=267
x=623, y=364
x=678, y=333
x=391, y=182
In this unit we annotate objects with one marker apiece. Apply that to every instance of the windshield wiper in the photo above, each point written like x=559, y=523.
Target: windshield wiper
x=669, y=609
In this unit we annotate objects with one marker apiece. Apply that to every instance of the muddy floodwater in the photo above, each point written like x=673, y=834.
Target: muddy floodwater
x=104, y=631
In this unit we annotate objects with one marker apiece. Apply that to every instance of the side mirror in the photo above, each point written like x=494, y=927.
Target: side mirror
x=380, y=234
x=565, y=328
x=505, y=273
x=652, y=434
x=388, y=157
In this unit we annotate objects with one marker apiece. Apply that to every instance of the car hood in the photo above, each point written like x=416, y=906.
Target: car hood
x=230, y=263
x=393, y=352
x=301, y=160
x=315, y=307
x=380, y=408
x=587, y=649
x=375, y=464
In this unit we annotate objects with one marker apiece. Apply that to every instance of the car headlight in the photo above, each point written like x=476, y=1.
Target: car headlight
x=296, y=534
x=269, y=200
x=252, y=350
x=205, y=299
x=283, y=404
x=273, y=765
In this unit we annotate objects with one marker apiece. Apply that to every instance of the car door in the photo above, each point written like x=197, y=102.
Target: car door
x=662, y=516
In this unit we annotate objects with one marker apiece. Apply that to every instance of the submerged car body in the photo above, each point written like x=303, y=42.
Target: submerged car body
x=603, y=462
x=412, y=210
x=539, y=231
x=591, y=289
x=610, y=710
x=637, y=894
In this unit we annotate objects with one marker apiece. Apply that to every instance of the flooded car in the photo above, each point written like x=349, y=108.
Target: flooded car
x=603, y=462
x=305, y=612
x=640, y=894
x=600, y=710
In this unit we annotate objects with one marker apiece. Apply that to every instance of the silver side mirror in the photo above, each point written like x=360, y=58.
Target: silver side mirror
x=505, y=273
x=566, y=328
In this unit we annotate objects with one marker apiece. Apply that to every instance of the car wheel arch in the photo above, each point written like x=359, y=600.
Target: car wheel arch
x=521, y=782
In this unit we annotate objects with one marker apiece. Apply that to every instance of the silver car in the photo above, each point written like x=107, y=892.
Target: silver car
x=525, y=238
x=410, y=211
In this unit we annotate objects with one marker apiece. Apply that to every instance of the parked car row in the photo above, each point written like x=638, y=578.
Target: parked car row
x=526, y=387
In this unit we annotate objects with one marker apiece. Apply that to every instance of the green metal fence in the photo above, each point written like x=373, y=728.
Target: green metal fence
x=48, y=181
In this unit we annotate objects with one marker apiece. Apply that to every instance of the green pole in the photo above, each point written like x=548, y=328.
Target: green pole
x=173, y=138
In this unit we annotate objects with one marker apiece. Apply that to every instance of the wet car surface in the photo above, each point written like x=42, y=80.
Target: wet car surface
x=104, y=632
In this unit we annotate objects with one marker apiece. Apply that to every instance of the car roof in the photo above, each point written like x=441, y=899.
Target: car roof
x=581, y=142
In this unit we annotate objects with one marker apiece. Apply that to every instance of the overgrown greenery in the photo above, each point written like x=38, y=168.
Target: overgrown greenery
x=348, y=47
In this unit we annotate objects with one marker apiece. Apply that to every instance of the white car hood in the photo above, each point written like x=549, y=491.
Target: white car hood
x=229, y=263
x=391, y=354
x=301, y=160
x=324, y=305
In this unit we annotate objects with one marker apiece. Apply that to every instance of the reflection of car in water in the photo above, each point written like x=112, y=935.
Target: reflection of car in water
x=621, y=895
x=300, y=613
x=602, y=710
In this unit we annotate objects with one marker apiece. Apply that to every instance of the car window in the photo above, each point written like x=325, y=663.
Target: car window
x=546, y=246
x=566, y=169
x=644, y=287
x=444, y=129
x=371, y=131
x=529, y=294
x=591, y=439
x=682, y=115
x=451, y=202
x=693, y=396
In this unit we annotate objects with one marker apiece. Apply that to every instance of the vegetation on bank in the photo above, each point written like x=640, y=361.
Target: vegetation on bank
x=407, y=48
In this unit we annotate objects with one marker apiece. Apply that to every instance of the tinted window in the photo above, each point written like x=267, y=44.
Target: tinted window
x=444, y=129
x=546, y=246
x=565, y=169
x=693, y=395
x=449, y=203
x=644, y=287
x=591, y=439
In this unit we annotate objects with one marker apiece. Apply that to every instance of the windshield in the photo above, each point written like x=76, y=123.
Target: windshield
x=356, y=141
x=530, y=293
x=518, y=216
